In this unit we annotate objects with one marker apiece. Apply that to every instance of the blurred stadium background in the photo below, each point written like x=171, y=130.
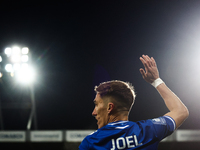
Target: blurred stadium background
x=52, y=54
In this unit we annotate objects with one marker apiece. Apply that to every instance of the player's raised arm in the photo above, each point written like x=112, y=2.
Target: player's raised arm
x=178, y=111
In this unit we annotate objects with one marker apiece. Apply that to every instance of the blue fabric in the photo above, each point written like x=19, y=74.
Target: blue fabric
x=128, y=135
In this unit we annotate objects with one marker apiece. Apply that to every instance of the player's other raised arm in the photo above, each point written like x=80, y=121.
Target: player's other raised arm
x=177, y=110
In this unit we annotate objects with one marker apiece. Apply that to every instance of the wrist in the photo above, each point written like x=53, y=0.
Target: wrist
x=157, y=82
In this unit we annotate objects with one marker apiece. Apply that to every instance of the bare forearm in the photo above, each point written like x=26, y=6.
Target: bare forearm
x=177, y=109
x=171, y=100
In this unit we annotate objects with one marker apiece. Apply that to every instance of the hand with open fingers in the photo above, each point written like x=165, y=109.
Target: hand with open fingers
x=151, y=71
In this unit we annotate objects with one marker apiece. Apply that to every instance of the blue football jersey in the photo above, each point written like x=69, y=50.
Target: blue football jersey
x=128, y=135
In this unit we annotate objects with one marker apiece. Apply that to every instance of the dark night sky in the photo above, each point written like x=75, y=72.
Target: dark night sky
x=78, y=44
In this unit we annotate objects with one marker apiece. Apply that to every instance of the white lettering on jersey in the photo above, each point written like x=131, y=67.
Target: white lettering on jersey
x=129, y=141
x=122, y=143
x=113, y=144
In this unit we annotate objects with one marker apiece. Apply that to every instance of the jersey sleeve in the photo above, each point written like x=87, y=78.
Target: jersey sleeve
x=163, y=126
x=84, y=145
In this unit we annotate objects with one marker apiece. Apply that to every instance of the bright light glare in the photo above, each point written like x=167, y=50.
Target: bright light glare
x=15, y=58
x=25, y=50
x=1, y=75
x=0, y=59
x=12, y=74
x=16, y=66
x=24, y=66
x=9, y=68
x=26, y=75
x=8, y=51
x=24, y=58
x=16, y=50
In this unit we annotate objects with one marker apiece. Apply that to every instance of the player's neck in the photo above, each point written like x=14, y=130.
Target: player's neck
x=118, y=117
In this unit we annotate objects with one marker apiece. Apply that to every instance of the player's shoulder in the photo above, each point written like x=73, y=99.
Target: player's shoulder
x=111, y=127
x=164, y=120
x=158, y=122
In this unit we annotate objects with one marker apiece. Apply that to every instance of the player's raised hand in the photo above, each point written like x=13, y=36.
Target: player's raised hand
x=150, y=71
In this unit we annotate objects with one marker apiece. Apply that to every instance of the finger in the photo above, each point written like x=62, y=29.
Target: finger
x=150, y=61
x=144, y=62
x=147, y=60
x=142, y=72
x=146, y=57
x=153, y=61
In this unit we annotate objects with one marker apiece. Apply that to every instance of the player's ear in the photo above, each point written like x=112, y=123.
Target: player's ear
x=110, y=107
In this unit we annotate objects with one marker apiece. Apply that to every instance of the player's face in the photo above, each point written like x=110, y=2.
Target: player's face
x=100, y=111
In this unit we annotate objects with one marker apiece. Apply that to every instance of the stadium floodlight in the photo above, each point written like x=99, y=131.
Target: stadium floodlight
x=18, y=59
x=15, y=58
x=15, y=50
x=25, y=75
x=24, y=58
x=16, y=66
x=8, y=51
x=19, y=64
x=9, y=67
x=1, y=75
x=25, y=50
x=24, y=66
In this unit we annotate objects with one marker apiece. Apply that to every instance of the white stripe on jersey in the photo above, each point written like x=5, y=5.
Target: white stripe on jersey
x=122, y=127
x=117, y=122
x=172, y=121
